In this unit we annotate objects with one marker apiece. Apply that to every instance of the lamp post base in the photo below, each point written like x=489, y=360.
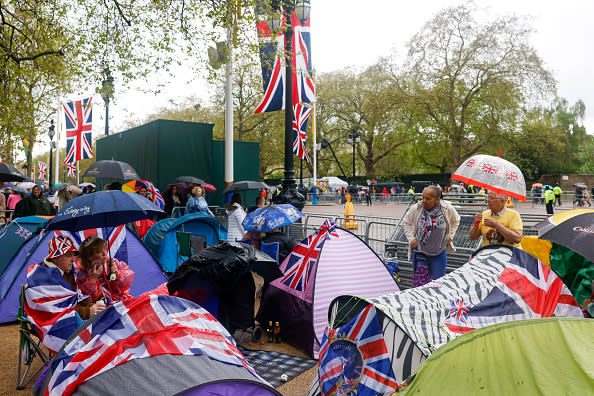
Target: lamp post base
x=290, y=195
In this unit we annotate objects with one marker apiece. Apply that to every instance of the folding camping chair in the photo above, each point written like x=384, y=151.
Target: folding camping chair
x=270, y=249
x=29, y=347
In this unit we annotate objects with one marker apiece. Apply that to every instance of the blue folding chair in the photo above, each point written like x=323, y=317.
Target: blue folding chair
x=270, y=249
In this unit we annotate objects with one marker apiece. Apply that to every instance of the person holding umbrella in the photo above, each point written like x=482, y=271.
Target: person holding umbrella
x=34, y=204
x=498, y=224
x=197, y=204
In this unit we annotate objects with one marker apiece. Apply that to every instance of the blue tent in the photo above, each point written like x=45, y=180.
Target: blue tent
x=15, y=234
x=161, y=238
x=148, y=273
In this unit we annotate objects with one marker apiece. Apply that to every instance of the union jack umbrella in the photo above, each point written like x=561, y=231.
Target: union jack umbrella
x=79, y=125
x=301, y=115
x=42, y=170
x=494, y=174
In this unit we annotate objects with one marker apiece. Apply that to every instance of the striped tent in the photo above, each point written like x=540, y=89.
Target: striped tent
x=330, y=262
x=498, y=284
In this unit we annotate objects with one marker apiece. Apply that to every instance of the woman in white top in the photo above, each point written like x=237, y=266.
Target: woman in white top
x=236, y=214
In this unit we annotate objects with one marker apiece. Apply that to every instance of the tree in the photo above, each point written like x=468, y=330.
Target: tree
x=471, y=78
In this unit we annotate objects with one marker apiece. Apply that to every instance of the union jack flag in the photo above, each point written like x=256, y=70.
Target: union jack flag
x=116, y=236
x=471, y=163
x=79, y=125
x=458, y=310
x=302, y=260
x=354, y=358
x=490, y=169
x=300, y=117
x=329, y=226
x=512, y=175
x=23, y=232
x=272, y=56
x=50, y=305
x=42, y=170
x=71, y=169
x=524, y=290
x=142, y=327
x=156, y=196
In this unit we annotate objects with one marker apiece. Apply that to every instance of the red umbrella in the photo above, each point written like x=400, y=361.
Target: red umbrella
x=208, y=187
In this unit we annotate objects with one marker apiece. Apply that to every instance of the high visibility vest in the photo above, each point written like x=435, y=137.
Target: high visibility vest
x=549, y=196
x=557, y=190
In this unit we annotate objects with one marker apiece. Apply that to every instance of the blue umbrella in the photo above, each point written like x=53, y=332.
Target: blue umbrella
x=271, y=217
x=103, y=209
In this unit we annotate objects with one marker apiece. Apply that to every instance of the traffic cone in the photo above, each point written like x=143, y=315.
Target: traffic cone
x=349, y=214
x=509, y=203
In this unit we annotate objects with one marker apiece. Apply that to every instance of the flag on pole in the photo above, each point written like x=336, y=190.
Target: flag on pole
x=71, y=169
x=272, y=57
x=79, y=124
x=42, y=168
x=300, y=117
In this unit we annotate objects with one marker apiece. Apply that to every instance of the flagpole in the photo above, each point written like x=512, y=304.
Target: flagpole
x=59, y=123
x=315, y=149
x=77, y=173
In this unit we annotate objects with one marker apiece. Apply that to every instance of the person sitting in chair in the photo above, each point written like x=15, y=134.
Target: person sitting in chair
x=52, y=299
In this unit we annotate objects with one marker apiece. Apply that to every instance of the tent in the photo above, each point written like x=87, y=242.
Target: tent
x=15, y=234
x=528, y=357
x=498, y=284
x=124, y=245
x=151, y=345
x=330, y=262
x=334, y=182
x=161, y=238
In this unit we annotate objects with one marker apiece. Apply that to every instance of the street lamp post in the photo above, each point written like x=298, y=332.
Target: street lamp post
x=106, y=93
x=354, y=138
x=289, y=193
x=51, y=133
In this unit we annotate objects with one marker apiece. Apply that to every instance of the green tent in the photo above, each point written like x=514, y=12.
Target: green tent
x=526, y=357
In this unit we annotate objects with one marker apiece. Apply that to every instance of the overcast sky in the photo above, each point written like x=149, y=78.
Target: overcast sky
x=356, y=33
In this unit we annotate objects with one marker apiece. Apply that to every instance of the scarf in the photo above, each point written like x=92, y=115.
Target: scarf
x=427, y=222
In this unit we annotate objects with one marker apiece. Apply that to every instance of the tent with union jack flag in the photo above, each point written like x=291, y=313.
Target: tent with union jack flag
x=321, y=267
x=124, y=245
x=498, y=284
x=152, y=345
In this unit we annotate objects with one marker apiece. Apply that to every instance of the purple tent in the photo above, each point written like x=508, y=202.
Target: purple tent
x=148, y=272
x=323, y=266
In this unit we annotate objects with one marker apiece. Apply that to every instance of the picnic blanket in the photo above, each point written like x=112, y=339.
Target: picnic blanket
x=272, y=365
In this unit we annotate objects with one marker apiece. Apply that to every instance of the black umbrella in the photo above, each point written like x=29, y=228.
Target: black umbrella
x=190, y=180
x=576, y=234
x=245, y=185
x=109, y=169
x=9, y=173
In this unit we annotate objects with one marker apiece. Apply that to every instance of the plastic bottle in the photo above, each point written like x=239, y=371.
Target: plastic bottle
x=270, y=332
x=277, y=336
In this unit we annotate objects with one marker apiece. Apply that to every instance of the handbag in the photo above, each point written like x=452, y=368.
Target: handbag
x=421, y=273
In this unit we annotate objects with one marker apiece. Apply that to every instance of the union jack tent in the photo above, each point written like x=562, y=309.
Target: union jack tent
x=42, y=168
x=321, y=267
x=142, y=343
x=498, y=284
x=79, y=126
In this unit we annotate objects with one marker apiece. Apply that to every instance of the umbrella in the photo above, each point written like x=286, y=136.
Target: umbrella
x=18, y=189
x=580, y=185
x=271, y=217
x=83, y=185
x=102, y=209
x=493, y=173
x=134, y=186
x=63, y=186
x=576, y=233
x=208, y=187
x=553, y=221
x=190, y=180
x=10, y=173
x=155, y=194
x=536, y=185
x=109, y=169
x=245, y=185
x=27, y=185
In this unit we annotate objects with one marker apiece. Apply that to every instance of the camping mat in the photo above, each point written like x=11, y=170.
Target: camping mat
x=272, y=365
